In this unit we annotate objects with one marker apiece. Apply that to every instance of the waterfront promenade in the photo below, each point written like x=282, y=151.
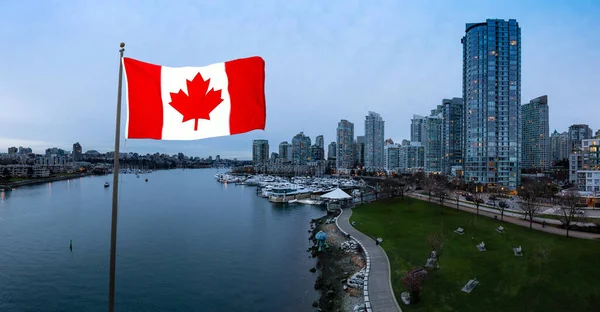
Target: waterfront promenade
x=378, y=290
x=35, y=181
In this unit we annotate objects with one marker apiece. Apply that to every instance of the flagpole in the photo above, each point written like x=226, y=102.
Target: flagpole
x=115, y=197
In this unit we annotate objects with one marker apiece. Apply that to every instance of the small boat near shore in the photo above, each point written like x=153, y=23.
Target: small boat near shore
x=106, y=184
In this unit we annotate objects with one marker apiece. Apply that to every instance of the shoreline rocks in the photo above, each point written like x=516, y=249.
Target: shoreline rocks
x=341, y=268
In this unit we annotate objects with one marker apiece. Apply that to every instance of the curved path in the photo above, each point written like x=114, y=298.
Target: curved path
x=378, y=292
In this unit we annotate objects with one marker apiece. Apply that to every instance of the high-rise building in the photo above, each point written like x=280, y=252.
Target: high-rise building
x=411, y=157
x=452, y=133
x=391, y=158
x=492, y=95
x=316, y=153
x=55, y=151
x=320, y=142
x=300, y=149
x=360, y=151
x=77, y=151
x=25, y=150
x=374, y=125
x=597, y=136
x=285, y=151
x=535, y=134
x=584, y=161
x=345, y=148
x=577, y=133
x=260, y=151
x=559, y=146
x=416, y=128
x=331, y=151
x=432, y=143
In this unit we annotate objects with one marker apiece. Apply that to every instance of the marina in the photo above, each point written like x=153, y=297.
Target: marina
x=300, y=190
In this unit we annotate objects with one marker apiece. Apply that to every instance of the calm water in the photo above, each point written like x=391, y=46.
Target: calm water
x=185, y=243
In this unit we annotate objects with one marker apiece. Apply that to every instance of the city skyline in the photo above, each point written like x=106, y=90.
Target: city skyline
x=73, y=98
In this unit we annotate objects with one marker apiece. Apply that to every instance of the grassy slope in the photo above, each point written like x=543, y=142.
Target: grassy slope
x=570, y=280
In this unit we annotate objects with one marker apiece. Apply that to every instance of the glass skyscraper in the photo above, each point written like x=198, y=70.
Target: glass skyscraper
x=260, y=151
x=374, y=141
x=536, y=134
x=300, y=149
x=452, y=132
x=492, y=95
x=345, y=145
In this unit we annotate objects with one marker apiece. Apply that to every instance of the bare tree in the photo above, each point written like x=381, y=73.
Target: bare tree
x=455, y=195
x=428, y=185
x=437, y=241
x=478, y=198
x=529, y=203
x=414, y=283
x=501, y=208
x=568, y=209
x=403, y=185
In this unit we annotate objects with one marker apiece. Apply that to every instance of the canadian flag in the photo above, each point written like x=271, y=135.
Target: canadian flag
x=191, y=103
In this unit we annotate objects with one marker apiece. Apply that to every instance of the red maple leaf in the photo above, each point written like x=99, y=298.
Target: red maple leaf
x=197, y=103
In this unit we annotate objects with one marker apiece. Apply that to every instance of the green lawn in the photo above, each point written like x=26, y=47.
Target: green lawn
x=569, y=281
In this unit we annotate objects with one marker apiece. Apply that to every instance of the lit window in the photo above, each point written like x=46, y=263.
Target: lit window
x=513, y=42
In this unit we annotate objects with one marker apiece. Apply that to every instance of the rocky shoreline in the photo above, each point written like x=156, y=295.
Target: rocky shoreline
x=42, y=180
x=339, y=268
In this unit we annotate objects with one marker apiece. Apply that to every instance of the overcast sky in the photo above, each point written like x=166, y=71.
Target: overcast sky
x=325, y=61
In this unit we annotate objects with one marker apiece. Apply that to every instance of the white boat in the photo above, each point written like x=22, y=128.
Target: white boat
x=106, y=184
x=293, y=201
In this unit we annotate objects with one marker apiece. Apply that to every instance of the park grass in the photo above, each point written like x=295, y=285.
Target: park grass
x=568, y=281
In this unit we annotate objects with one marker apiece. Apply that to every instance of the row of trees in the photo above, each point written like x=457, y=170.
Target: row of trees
x=531, y=196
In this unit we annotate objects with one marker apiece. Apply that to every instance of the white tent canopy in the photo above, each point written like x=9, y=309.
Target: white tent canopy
x=336, y=194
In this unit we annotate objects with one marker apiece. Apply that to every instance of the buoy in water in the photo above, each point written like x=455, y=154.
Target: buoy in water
x=71, y=244
x=146, y=180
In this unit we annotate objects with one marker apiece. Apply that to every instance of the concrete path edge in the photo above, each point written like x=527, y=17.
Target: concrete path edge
x=368, y=267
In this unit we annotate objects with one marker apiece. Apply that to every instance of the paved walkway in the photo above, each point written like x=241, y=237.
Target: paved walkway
x=508, y=218
x=379, y=296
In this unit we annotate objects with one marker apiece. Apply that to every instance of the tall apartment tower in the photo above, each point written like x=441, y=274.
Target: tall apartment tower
x=452, y=133
x=416, y=128
x=331, y=151
x=432, y=142
x=374, y=141
x=360, y=150
x=492, y=95
x=77, y=151
x=320, y=142
x=300, y=149
x=536, y=134
x=260, y=151
x=577, y=133
x=345, y=149
x=285, y=151
x=559, y=146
